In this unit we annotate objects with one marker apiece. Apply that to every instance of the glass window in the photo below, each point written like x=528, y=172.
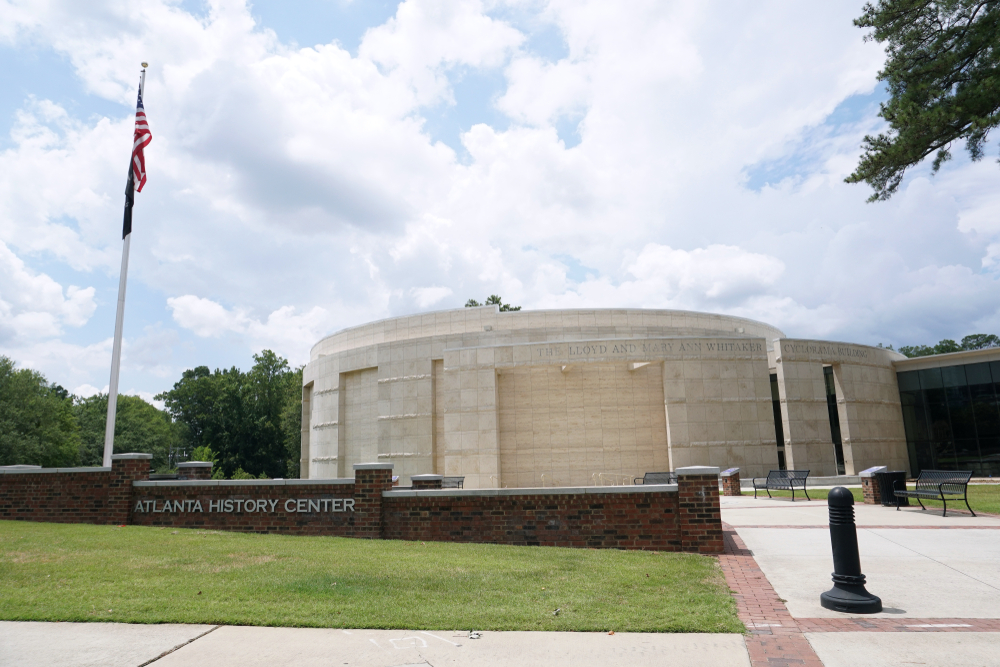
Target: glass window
x=930, y=379
x=908, y=381
x=989, y=450
x=831, y=405
x=954, y=376
x=978, y=374
x=963, y=424
x=921, y=457
x=967, y=455
x=914, y=415
x=779, y=431
x=951, y=416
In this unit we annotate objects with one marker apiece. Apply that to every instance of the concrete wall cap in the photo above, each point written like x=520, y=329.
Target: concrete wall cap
x=697, y=470
x=130, y=456
x=176, y=482
x=538, y=491
x=427, y=477
x=195, y=464
x=730, y=472
x=304, y=482
x=245, y=482
x=19, y=466
x=870, y=472
x=34, y=470
x=373, y=466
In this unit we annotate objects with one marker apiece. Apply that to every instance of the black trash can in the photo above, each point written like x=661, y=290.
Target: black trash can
x=887, y=483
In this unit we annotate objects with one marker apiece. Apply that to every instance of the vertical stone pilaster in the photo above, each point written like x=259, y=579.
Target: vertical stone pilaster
x=125, y=469
x=699, y=516
x=370, y=481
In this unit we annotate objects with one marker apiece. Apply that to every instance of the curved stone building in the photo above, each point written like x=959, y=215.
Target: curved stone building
x=581, y=397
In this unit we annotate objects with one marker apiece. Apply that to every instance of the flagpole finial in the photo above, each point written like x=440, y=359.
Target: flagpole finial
x=145, y=65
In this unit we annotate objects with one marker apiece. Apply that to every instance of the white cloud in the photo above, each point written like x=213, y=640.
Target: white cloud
x=426, y=37
x=307, y=191
x=428, y=296
x=86, y=390
x=284, y=331
x=34, y=306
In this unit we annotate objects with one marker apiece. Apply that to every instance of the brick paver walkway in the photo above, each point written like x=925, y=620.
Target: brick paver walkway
x=777, y=640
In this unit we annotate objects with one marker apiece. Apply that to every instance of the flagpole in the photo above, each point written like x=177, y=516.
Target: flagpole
x=116, y=354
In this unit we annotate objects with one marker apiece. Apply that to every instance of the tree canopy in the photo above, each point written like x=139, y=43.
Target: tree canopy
x=139, y=427
x=36, y=420
x=943, y=76
x=972, y=342
x=249, y=424
x=492, y=299
x=249, y=421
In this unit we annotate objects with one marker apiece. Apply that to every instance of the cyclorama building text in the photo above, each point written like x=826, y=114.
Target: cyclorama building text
x=592, y=397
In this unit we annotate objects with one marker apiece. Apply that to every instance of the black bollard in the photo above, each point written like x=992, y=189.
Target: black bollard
x=848, y=593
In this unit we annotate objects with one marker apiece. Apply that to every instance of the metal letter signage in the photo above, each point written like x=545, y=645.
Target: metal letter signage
x=290, y=506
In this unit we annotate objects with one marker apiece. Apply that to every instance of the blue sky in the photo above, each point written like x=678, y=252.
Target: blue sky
x=319, y=164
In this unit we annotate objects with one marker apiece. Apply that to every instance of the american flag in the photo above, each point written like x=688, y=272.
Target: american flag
x=140, y=140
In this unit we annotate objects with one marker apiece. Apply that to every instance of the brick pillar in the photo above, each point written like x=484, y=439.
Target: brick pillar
x=371, y=480
x=426, y=481
x=125, y=469
x=731, y=482
x=869, y=486
x=195, y=470
x=699, y=517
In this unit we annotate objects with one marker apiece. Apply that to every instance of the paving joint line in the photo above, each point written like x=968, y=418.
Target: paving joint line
x=180, y=646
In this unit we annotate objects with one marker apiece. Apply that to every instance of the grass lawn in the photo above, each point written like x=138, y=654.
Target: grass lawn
x=814, y=494
x=67, y=572
x=982, y=497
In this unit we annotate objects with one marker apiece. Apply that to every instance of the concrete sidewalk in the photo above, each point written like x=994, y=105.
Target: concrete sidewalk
x=119, y=645
x=939, y=576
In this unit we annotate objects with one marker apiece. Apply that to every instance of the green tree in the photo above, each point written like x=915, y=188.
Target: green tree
x=291, y=422
x=971, y=342
x=943, y=76
x=245, y=418
x=980, y=341
x=36, y=420
x=492, y=299
x=192, y=402
x=139, y=427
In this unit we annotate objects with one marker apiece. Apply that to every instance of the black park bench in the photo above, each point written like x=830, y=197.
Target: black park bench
x=782, y=480
x=656, y=478
x=936, y=484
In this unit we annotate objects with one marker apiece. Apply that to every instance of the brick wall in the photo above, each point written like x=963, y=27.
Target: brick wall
x=73, y=495
x=870, y=490
x=601, y=517
x=640, y=520
x=640, y=517
x=731, y=482
x=699, y=517
x=195, y=470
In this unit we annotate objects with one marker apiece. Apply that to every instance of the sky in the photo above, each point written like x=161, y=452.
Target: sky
x=320, y=164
